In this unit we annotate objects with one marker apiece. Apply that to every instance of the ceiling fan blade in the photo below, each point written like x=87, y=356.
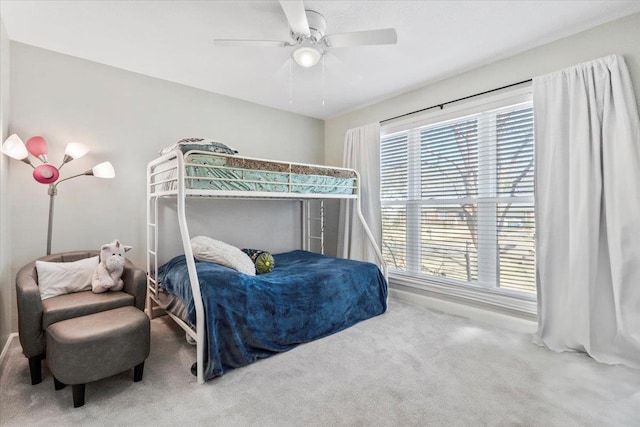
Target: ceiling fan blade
x=252, y=43
x=294, y=11
x=362, y=38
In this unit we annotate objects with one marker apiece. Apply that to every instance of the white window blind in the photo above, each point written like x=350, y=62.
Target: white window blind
x=457, y=199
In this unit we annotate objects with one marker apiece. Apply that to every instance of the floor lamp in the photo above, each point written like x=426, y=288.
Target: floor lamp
x=46, y=173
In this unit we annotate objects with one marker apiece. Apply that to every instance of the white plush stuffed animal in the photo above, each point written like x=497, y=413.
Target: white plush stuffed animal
x=107, y=276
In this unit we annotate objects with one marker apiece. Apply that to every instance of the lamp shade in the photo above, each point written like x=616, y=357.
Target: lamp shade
x=306, y=56
x=103, y=170
x=75, y=150
x=37, y=146
x=46, y=174
x=15, y=148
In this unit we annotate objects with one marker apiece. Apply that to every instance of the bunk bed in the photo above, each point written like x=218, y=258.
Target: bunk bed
x=338, y=292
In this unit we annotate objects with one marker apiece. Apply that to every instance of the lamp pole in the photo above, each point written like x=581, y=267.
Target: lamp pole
x=53, y=191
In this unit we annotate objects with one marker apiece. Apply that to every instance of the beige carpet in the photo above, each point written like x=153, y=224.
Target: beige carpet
x=409, y=367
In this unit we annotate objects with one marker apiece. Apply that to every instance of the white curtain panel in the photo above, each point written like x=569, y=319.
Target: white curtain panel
x=588, y=211
x=362, y=153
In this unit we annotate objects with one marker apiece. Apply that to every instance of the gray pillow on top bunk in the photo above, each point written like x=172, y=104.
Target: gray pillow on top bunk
x=211, y=250
x=203, y=144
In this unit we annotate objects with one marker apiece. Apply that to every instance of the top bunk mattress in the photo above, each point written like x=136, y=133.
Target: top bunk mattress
x=214, y=171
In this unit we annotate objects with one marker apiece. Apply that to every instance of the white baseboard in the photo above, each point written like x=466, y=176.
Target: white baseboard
x=5, y=349
x=482, y=315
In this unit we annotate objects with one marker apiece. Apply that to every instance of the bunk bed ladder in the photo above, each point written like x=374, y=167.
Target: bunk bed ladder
x=152, y=246
x=152, y=252
x=308, y=220
x=155, y=192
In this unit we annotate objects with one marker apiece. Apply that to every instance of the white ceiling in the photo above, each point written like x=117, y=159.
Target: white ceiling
x=173, y=40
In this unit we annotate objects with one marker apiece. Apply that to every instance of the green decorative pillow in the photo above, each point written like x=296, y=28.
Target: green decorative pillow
x=263, y=260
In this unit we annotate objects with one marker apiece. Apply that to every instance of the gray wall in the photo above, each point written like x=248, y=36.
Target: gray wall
x=126, y=118
x=621, y=36
x=6, y=285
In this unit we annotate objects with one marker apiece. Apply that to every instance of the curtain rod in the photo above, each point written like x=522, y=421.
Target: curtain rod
x=441, y=105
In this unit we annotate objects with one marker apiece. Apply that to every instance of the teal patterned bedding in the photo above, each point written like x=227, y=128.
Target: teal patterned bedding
x=207, y=171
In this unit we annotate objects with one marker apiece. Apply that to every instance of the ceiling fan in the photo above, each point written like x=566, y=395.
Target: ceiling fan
x=307, y=30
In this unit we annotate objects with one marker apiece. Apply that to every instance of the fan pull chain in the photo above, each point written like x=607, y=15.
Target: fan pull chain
x=323, y=80
x=290, y=81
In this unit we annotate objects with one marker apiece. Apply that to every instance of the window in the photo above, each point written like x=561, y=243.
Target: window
x=457, y=197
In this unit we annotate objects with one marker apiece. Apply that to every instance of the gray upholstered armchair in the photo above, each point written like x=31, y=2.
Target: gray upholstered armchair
x=35, y=315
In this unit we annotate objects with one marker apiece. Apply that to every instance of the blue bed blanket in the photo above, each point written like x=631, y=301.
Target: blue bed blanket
x=307, y=296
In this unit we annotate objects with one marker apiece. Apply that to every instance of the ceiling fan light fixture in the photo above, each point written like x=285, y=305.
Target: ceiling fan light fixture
x=306, y=56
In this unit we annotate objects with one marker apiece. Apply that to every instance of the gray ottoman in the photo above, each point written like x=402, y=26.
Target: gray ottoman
x=96, y=346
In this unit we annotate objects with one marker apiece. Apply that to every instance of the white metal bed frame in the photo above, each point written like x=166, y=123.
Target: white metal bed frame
x=166, y=178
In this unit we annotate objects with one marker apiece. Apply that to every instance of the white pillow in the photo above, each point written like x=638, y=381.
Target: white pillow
x=207, y=249
x=59, y=278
